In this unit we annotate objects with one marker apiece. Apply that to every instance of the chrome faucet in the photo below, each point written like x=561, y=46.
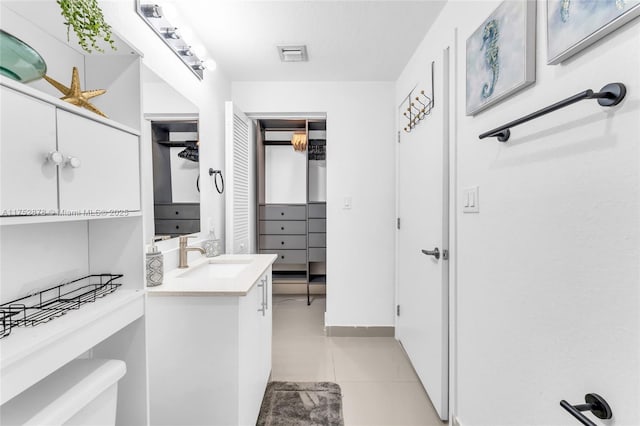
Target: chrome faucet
x=184, y=250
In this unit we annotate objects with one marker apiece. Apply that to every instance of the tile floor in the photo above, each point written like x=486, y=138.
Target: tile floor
x=379, y=386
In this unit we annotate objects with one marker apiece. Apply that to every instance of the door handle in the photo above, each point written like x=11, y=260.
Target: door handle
x=594, y=403
x=435, y=252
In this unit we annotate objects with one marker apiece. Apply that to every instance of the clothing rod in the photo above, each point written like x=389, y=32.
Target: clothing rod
x=609, y=95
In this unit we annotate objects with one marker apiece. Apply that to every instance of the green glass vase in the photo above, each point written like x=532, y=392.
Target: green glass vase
x=19, y=61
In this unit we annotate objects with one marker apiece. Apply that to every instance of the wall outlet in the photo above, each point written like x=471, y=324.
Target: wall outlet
x=470, y=200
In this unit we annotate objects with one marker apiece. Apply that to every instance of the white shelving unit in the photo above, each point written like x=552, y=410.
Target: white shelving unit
x=60, y=223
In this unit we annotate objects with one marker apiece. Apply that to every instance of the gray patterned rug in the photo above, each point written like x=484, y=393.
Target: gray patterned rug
x=301, y=404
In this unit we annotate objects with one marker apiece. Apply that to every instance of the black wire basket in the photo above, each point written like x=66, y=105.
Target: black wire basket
x=43, y=306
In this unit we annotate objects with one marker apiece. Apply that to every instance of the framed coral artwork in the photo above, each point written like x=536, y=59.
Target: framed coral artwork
x=501, y=54
x=573, y=25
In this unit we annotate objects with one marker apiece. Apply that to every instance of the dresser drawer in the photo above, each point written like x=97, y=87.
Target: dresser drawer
x=288, y=256
x=318, y=210
x=283, y=242
x=177, y=226
x=317, y=225
x=283, y=212
x=177, y=211
x=317, y=239
x=283, y=227
x=317, y=254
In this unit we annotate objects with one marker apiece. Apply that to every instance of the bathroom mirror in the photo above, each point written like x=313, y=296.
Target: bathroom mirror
x=172, y=143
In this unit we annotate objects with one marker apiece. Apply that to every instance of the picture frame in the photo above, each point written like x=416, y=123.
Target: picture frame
x=574, y=25
x=501, y=55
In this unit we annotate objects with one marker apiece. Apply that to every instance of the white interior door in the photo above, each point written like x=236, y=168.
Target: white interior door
x=239, y=199
x=423, y=279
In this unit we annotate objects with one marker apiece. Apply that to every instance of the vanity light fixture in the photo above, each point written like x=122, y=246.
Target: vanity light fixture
x=170, y=32
x=151, y=11
x=158, y=20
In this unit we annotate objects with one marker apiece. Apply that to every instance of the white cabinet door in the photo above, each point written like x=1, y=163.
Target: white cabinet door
x=254, y=351
x=28, y=182
x=106, y=175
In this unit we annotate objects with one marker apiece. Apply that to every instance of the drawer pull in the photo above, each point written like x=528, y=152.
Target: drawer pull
x=282, y=257
x=177, y=226
x=177, y=212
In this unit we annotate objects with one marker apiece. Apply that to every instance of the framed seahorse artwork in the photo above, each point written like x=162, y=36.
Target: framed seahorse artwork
x=501, y=55
x=572, y=25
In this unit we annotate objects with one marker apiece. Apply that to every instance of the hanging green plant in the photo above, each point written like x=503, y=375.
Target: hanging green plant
x=87, y=20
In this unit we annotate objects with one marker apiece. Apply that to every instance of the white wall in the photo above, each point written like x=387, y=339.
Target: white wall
x=208, y=95
x=548, y=289
x=360, y=165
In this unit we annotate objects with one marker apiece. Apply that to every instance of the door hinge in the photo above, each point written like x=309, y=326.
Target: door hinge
x=398, y=310
x=398, y=136
x=398, y=223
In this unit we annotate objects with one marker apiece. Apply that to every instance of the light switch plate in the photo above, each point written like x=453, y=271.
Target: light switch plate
x=347, y=203
x=470, y=200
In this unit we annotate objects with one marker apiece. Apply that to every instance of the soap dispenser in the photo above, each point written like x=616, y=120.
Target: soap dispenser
x=155, y=265
x=212, y=245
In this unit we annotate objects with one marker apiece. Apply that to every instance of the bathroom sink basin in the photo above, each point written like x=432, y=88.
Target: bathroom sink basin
x=215, y=269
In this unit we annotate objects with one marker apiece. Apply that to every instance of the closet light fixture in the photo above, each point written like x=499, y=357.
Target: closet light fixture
x=170, y=30
x=299, y=141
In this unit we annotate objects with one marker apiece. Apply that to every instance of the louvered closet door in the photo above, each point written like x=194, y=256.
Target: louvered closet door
x=238, y=201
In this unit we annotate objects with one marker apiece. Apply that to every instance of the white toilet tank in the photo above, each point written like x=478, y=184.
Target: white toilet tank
x=83, y=392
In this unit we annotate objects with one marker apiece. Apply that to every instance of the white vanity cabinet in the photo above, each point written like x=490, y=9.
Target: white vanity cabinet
x=209, y=354
x=254, y=349
x=57, y=161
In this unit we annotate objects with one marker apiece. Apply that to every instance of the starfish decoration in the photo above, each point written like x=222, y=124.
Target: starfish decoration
x=74, y=95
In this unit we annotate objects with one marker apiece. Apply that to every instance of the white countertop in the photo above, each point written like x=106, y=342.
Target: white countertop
x=195, y=280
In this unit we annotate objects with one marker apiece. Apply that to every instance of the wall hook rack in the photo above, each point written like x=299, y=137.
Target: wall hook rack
x=594, y=403
x=610, y=95
x=421, y=111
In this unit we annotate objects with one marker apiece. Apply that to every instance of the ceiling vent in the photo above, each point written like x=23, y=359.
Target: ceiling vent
x=293, y=53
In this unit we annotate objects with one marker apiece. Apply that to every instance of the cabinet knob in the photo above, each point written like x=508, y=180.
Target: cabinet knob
x=282, y=228
x=282, y=242
x=73, y=162
x=55, y=157
x=281, y=213
x=282, y=257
